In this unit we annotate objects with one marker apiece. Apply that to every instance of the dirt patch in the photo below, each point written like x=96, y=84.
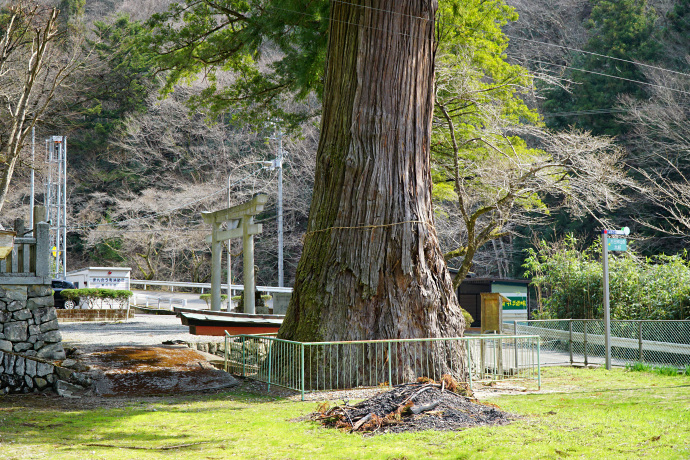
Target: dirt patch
x=413, y=407
x=153, y=370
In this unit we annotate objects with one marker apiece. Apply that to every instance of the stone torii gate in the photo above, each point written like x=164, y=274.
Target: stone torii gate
x=240, y=220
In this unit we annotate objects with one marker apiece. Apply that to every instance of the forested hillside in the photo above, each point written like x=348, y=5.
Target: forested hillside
x=552, y=117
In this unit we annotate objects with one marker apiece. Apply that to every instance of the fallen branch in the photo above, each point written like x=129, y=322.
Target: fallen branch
x=419, y=409
x=423, y=389
x=362, y=421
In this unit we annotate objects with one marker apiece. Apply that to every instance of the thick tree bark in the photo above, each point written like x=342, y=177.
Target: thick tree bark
x=371, y=267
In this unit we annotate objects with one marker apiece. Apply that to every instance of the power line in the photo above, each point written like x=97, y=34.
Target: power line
x=606, y=56
x=663, y=69
x=510, y=36
x=611, y=76
x=381, y=9
x=582, y=112
x=599, y=55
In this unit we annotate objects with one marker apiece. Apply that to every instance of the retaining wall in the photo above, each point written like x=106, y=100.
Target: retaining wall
x=106, y=314
x=28, y=322
x=23, y=374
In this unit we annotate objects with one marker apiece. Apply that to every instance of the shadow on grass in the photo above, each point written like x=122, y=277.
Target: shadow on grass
x=167, y=422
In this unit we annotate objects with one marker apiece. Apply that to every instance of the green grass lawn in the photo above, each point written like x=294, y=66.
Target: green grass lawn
x=580, y=413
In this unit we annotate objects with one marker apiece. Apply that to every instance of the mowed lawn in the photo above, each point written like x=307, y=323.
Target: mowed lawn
x=580, y=413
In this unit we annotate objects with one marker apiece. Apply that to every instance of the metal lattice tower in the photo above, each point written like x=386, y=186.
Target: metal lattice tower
x=56, y=202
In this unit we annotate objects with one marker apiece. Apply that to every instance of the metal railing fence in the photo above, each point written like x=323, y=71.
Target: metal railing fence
x=318, y=366
x=159, y=302
x=203, y=286
x=582, y=341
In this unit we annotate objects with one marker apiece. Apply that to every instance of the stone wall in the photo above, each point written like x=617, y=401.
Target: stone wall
x=28, y=322
x=23, y=374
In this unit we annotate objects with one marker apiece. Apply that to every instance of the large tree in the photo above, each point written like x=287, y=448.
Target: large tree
x=371, y=267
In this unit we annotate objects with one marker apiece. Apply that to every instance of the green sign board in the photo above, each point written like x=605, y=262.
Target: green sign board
x=515, y=302
x=617, y=244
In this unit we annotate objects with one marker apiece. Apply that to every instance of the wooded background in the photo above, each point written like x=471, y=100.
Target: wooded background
x=552, y=117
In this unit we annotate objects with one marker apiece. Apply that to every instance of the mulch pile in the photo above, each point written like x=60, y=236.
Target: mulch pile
x=424, y=405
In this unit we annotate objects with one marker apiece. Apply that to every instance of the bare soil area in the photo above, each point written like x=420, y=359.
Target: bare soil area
x=152, y=370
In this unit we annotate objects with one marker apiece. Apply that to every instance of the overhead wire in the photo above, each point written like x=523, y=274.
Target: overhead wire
x=612, y=76
x=409, y=35
x=637, y=63
x=510, y=36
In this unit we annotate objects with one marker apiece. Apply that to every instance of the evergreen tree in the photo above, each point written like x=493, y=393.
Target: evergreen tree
x=623, y=29
x=120, y=81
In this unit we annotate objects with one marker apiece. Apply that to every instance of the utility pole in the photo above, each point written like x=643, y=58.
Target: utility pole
x=64, y=208
x=279, y=165
x=229, y=256
x=607, y=309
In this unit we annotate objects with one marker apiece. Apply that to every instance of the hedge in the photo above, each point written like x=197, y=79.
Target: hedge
x=120, y=297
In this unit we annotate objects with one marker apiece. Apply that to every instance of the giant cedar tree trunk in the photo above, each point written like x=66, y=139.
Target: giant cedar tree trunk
x=371, y=267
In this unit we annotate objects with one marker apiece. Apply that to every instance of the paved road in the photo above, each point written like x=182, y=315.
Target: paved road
x=141, y=330
x=193, y=300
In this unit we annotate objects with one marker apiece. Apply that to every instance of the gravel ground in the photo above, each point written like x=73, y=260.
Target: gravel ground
x=140, y=330
x=146, y=330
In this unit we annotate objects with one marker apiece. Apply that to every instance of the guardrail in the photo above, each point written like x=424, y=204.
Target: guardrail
x=318, y=366
x=649, y=341
x=182, y=284
x=159, y=301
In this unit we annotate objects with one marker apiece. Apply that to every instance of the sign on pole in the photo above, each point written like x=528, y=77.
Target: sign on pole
x=617, y=244
x=612, y=244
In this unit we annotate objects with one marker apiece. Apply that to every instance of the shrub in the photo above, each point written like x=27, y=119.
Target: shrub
x=569, y=283
x=207, y=298
x=91, y=296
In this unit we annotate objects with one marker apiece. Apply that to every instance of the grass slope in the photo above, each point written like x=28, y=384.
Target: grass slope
x=581, y=413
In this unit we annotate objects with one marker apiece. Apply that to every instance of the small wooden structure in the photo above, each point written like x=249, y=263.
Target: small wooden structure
x=241, y=223
x=518, y=291
x=27, y=261
x=492, y=311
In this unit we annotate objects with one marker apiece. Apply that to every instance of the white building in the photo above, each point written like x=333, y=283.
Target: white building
x=101, y=277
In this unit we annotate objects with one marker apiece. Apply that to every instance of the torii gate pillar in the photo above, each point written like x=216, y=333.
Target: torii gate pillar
x=242, y=216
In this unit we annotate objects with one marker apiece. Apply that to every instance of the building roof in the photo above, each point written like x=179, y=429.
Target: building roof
x=496, y=281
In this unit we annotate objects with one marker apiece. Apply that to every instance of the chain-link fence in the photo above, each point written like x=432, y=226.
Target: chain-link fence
x=665, y=343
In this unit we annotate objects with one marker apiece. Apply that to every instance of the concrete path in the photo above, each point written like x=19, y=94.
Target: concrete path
x=141, y=330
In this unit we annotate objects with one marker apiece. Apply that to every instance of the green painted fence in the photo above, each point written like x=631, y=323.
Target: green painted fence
x=318, y=366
